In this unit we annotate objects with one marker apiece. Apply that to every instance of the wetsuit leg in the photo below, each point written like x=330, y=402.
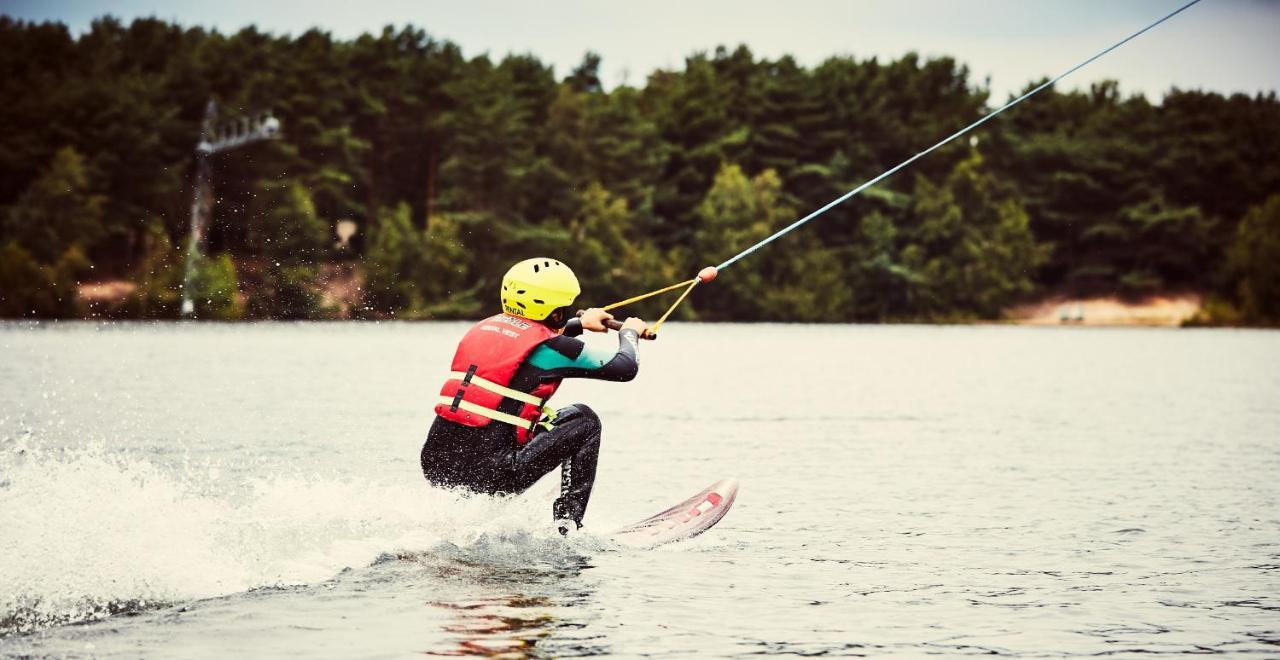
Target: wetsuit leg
x=573, y=442
x=487, y=460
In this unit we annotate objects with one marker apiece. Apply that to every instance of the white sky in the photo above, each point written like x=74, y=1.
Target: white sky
x=1221, y=45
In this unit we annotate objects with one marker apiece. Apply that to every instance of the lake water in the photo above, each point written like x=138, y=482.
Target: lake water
x=206, y=490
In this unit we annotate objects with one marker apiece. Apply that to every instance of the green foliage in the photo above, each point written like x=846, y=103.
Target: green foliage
x=392, y=261
x=57, y=211
x=24, y=290
x=1132, y=197
x=737, y=212
x=484, y=161
x=970, y=245
x=158, y=277
x=29, y=289
x=799, y=280
x=606, y=244
x=284, y=226
x=1215, y=311
x=1163, y=247
x=291, y=241
x=285, y=291
x=417, y=273
x=1254, y=262
x=215, y=290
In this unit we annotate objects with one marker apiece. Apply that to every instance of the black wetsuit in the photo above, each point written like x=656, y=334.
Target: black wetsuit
x=488, y=459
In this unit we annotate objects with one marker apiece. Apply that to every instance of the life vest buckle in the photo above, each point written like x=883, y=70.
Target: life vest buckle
x=546, y=420
x=462, y=388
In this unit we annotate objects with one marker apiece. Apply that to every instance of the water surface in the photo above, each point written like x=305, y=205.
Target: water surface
x=205, y=490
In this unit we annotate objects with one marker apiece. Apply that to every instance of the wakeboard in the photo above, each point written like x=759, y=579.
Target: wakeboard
x=682, y=521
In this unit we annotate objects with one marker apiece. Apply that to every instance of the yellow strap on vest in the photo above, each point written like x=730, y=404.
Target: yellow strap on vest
x=522, y=397
x=495, y=415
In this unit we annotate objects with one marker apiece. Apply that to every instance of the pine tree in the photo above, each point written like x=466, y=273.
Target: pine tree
x=1254, y=262
x=58, y=210
x=971, y=244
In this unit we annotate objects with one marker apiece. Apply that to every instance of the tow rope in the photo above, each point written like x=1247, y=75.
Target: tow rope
x=709, y=273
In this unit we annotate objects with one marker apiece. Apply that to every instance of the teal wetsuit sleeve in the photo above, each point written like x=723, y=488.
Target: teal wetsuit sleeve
x=566, y=357
x=590, y=359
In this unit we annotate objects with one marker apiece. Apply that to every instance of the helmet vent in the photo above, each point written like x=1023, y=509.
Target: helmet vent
x=547, y=264
x=540, y=302
x=520, y=292
x=520, y=304
x=535, y=268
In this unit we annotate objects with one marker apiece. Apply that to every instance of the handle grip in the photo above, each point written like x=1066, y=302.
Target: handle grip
x=615, y=325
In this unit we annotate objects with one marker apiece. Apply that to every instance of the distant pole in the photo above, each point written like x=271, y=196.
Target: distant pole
x=200, y=210
x=238, y=133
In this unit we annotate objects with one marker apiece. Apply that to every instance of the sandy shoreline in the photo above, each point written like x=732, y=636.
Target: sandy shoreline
x=1163, y=311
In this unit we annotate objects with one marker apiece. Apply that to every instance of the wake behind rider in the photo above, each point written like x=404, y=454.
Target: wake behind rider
x=492, y=433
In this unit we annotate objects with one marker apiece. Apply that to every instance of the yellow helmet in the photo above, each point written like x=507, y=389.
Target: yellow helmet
x=534, y=288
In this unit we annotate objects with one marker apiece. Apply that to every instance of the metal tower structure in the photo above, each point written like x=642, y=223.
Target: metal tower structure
x=214, y=140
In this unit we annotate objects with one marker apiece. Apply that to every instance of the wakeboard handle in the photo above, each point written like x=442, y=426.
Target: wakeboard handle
x=616, y=325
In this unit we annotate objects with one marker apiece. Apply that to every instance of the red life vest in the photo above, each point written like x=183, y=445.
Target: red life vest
x=486, y=361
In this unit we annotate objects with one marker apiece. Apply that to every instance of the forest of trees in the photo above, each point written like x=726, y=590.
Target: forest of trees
x=454, y=167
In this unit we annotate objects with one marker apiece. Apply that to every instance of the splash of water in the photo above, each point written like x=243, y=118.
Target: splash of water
x=88, y=535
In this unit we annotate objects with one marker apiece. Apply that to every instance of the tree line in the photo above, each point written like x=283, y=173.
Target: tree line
x=453, y=167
